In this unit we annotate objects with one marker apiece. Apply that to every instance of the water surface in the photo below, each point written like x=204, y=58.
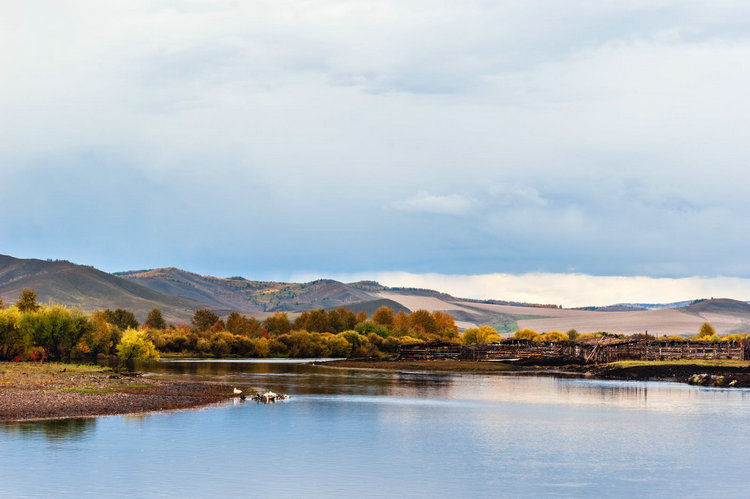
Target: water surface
x=374, y=433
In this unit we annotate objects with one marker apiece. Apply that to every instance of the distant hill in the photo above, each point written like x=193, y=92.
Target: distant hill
x=63, y=282
x=369, y=307
x=723, y=306
x=178, y=293
x=242, y=295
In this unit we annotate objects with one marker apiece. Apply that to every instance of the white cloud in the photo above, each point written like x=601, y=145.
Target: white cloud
x=569, y=290
x=607, y=137
x=422, y=202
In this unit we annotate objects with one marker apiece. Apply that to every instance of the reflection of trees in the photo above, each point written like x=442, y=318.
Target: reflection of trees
x=298, y=378
x=52, y=429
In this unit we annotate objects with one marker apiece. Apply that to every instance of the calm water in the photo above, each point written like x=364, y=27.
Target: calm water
x=375, y=434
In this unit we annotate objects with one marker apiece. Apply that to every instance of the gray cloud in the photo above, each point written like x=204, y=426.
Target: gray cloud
x=470, y=137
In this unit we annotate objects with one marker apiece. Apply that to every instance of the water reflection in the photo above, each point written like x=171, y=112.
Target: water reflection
x=51, y=429
x=303, y=378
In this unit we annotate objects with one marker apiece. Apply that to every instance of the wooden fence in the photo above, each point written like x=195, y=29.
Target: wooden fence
x=605, y=350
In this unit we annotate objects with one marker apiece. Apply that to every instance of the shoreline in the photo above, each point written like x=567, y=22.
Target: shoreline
x=37, y=392
x=720, y=374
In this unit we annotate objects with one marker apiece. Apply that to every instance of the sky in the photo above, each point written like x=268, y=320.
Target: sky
x=446, y=141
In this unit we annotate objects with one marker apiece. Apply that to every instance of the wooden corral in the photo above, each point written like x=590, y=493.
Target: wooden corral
x=601, y=350
x=431, y=350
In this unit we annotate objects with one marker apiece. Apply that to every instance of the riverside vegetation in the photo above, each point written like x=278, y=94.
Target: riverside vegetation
x=30, y=331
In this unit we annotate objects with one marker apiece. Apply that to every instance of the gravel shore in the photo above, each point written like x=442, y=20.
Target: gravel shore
x=33, y=391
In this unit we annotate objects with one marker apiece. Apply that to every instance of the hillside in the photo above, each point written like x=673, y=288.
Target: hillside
x=719, y=306
x=237, y=293
x=179, y=293
x=81, y=286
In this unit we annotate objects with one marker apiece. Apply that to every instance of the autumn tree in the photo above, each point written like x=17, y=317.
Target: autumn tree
x=482, y=334
x=155, y=320
x=27, y=301
x=277, y=324
x=401, y=324
x=525, y=334
x=121, y=318
x=203, y=319
x=342, y=319
x=706, y=331
x=383, y=316
x=446, y=326
x=235, y=323
x=135, y=345
x=313, y=321
x=361, y=316
x=422, y=319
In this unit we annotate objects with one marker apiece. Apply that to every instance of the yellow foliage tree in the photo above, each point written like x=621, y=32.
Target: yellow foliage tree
x=525, y=334
x=482, y=334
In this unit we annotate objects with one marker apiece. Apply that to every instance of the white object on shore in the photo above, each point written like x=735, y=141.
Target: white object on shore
x=237, y=391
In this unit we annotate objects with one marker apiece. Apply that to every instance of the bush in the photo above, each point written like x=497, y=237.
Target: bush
x=369, y=327
x=525, y=334
x=55, y=329
x=482, y=334
x=135, y=345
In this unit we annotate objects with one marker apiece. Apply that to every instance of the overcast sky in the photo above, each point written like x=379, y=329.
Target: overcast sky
x=273, y=139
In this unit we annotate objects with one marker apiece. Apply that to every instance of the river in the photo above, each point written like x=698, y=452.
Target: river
x=368, y=433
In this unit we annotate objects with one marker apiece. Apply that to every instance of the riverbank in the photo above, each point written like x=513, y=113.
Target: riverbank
x=719, y=373
x=31, y=391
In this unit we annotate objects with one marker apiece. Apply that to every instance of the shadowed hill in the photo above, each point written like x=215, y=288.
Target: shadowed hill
x=242, y=295
x=81, y=286
x=724, y=306
x=369, y=307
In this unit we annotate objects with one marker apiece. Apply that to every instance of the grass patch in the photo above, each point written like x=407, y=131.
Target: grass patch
x=680, y=362
x=131, y=387
x=51, y=368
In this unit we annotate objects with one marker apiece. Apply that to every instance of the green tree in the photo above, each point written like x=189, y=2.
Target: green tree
x=203, y=319
x=12, y=341
x=27, y=301
x=573, y=335
x=121, y=318
x=55, y=329
x=155, y=320
x=706, y=331
x=135, y=345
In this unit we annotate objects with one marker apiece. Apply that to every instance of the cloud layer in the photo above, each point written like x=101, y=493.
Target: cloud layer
x=568, y=290
x=267, y=138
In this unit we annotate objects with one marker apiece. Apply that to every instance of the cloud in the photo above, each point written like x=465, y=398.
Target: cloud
x=569, y=290
x=597, y=137
x=422, y=202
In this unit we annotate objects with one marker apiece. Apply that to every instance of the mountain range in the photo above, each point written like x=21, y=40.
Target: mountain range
x=178, y=293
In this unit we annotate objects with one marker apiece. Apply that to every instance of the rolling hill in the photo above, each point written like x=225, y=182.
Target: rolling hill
x=179, y=293
x=242, y=295
x=85, y=287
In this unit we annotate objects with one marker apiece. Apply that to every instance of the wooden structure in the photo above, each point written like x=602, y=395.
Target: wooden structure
x=596, y=350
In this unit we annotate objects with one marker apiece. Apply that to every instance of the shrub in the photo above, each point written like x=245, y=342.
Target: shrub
x=55, y=329
x=525, y=334
x=369, y=327
x=482, y=334
x=135, y=345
